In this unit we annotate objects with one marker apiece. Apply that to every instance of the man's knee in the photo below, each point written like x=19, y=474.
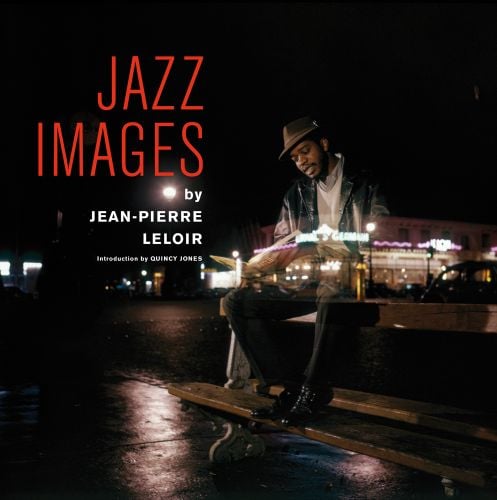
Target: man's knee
x=248, y=303
x=326, y=293
x=232, y=302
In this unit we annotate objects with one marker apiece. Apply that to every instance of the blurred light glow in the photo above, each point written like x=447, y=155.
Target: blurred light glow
x=440, y=245
x=169, y=192
x=397, y=244
x=30, y=266
x=370, y=227
x=4, y=268
x=324, y=232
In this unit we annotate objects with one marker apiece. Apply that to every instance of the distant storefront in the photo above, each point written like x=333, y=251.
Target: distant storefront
x=20, y=272
x=402, y=251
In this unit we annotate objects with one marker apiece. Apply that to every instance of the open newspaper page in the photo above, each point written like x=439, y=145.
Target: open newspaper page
x=266, y=261
x=294, y=246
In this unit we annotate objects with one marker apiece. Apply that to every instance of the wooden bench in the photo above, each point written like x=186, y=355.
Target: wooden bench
x=469, y=461
x=457, y=444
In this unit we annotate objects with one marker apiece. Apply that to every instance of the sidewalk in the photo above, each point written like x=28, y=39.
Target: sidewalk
x=127, y=438
x=89, y=417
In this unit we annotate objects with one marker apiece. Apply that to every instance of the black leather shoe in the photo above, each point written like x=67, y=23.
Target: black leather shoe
x=307, y=406
x=280, y=406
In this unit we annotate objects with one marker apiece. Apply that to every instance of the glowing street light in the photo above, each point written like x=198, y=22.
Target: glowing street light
x=429, y=255
x=370, y=228
x=169, y=192
x=144, y=273
x=238, y=267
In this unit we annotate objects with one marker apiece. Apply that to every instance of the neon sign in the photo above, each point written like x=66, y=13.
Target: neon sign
x=391, y=244
x=440, y=245
x=324, y=233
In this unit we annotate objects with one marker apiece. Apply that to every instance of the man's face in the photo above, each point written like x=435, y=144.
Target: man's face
x=310, y=158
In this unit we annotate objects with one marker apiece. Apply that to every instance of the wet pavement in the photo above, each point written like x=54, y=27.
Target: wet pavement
x=87, y=415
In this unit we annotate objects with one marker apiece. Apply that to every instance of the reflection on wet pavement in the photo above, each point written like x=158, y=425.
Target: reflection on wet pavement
x=90, y=417
x=137, y=442
x=158, y=458
x=131, y=439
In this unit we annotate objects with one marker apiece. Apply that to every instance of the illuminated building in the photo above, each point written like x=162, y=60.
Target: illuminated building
x=399, y=250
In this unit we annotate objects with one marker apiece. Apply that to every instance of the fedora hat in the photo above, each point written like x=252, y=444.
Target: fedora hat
x=295, y=131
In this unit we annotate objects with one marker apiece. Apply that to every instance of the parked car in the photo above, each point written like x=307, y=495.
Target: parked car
x=470, y=282
x=381, y=291
x=413, y=291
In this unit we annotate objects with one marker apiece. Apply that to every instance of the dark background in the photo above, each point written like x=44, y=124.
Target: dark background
x=407, y=90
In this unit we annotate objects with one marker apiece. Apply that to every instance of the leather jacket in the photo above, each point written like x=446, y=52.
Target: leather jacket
x=360, y=202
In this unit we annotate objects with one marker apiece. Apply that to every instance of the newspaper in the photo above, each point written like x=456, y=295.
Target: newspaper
x=278, y=256
x=264, y=262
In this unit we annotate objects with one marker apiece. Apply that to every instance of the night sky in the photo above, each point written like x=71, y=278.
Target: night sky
x=407, y=90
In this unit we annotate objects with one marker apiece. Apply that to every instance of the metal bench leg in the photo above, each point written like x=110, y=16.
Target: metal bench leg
x=238, y=368
x=236, y=444
x=450, y=488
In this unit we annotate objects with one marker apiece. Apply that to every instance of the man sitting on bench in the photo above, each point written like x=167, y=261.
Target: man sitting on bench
x=331, y=194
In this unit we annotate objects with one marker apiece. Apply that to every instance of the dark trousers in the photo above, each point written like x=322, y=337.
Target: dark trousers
x=252, y=315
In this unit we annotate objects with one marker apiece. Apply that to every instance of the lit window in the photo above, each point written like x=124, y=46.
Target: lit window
x=4, y=268
x=30, y=266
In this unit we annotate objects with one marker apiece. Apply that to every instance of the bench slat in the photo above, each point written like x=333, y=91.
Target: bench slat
x=474, y=464
x=434, y=416
x=477, y=318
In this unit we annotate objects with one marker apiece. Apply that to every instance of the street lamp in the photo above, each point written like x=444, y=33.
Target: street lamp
x=429, y=255
x=238, y=267
x=370, y=228
x=169, y=192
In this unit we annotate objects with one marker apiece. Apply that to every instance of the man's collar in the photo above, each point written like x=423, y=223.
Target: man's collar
x=326, y=182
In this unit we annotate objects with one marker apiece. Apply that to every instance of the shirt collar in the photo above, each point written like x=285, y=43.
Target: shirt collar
x=330, y=180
